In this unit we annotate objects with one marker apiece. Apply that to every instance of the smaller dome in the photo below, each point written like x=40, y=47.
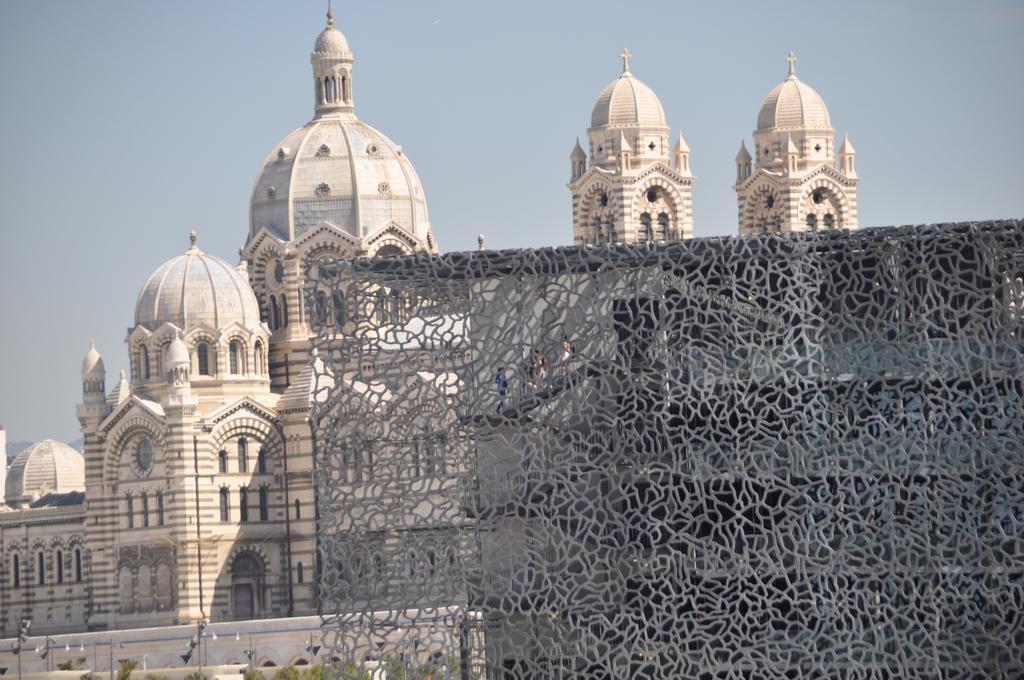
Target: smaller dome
x=196, y=288
x=93, y=362
x=627, y=101
x=45, y=467
x=793, y=104
x=177, y=353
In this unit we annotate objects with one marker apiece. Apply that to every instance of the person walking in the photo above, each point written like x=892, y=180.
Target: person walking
x=501, y=384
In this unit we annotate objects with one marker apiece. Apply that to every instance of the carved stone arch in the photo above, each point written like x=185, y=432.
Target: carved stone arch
x=326, y=236
x=754, y=198
x=266, y=252
x=672, y=198
x=124, y=432
x=591, y=192
x=254, y=429
x=828, y=184
x=393, y=231
x=251, y=549
x=389, y=246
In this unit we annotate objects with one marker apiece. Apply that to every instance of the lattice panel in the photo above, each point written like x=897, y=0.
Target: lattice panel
x=780, y=456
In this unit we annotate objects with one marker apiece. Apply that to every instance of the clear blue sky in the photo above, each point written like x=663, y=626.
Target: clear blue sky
x=123, y=125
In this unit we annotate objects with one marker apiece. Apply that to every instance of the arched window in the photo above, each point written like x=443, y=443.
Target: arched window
x=298, y=509
x=645, y=227
x=143, y=363
x=344, y=88
x=300, y=576
x=264, y=504
x=160, y=508
x=222, y=461
x=339, y=309
x=243, y=504
x=284, y=311
x=275, y=314
x=261, y=461
x=829, y=220
x=78, y=565
x=203, y=358
x=243, y=455
x=130, y=511
x=145, y=509
x=16, y=570
x=60, y=566
x=662, y=233
x=812, y=221
x=225, y=505
x=324, y=150
x=40, y=568
x=258, y=355
x=323, y=190
x=235, y=359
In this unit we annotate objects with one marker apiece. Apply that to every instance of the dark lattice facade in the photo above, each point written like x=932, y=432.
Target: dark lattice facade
x=761, y=457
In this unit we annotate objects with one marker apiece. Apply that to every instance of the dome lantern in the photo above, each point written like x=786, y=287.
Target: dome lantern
x=332, y=71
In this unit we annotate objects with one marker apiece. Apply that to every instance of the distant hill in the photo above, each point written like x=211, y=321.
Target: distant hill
x=14, y=448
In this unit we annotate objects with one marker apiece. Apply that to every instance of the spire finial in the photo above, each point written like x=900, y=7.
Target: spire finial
x=192, y=238
x=480, y=241
x=791, y=60
x=625, y=59
x=330, y=14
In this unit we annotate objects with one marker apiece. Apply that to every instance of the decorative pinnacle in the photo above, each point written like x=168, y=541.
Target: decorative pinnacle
x=480, y=241
x=192, y=238
x=330, y=14
x=791, y=60
x=625, y=59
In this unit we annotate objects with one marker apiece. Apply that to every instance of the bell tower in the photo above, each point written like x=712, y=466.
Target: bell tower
x=635, y=187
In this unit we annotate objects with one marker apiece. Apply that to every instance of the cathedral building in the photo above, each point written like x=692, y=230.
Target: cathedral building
x=637, y=185
x=792, y=182
x=195, y=497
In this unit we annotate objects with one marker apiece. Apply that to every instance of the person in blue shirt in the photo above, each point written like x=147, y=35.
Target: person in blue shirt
x=502, y=386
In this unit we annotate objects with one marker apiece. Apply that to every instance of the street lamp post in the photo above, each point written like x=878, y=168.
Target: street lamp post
x=23, y=627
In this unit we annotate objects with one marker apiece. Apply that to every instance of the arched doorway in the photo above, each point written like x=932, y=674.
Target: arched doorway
x=247, y=578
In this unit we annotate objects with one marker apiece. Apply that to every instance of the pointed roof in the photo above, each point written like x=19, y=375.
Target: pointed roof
x=577, y=152
x=93, y=362
x=790, y=146
x=846, y=148
x=623, y=144
x=681, y=144
x=743, y=156
x=121, y=391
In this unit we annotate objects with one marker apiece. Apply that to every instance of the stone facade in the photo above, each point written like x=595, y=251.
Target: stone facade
x=198, y=499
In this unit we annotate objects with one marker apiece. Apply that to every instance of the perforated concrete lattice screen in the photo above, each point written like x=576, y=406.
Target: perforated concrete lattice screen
x=779, y=456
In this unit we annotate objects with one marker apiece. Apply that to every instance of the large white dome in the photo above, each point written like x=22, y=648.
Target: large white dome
x=341, y=170
x=196, y=288
x=627, y=101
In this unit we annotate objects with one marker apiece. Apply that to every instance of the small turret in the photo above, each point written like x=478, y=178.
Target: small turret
x=847, y=155
x=625, y=151
x=178, y=365
x=94, y=375
x=578, y=161
x=743, y=161
x=681, y=155
x=792, y=155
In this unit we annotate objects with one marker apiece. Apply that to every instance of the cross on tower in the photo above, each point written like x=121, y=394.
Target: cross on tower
x=625, y=59
x=792, y=63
